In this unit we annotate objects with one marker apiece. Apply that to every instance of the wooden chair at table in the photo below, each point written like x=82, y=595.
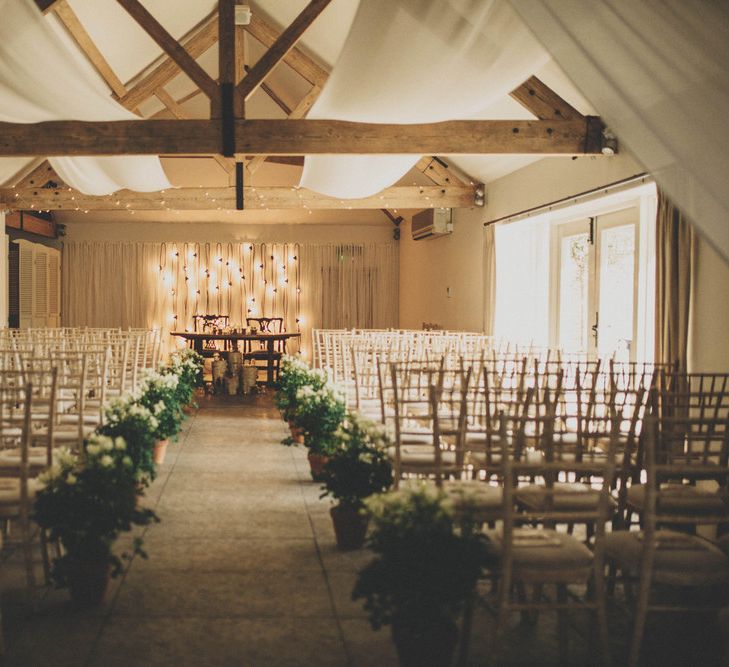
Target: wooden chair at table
x=545, y=557
x=674, y=559
x=258, y=352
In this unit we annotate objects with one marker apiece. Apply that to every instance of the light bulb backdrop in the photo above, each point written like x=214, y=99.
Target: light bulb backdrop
x=163, y=285
x=240, y=280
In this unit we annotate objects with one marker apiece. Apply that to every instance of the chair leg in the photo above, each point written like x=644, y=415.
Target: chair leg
x=601, y=619
x=562, y=622
x=502, y=613
x=641, y=612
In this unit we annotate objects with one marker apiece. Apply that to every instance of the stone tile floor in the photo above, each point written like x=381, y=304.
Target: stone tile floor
x=243, y=570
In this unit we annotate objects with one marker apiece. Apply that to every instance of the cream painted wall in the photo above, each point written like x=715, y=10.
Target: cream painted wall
x=709, y=341
x=441, y=279
x=227, y=232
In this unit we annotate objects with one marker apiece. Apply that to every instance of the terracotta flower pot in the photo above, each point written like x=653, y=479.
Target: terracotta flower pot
x=189, y=409
x=160, y=451
x=433, y=646
x=350, y=527
x=316, y=464
x=88, y=581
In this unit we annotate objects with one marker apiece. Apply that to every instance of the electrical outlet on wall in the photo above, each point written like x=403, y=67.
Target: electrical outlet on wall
x=449, y=292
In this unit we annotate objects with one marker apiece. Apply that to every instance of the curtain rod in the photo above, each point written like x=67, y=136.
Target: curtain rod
x=574, y=199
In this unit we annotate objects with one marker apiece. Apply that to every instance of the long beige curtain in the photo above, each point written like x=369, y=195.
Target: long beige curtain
x=675, y=266
x=489, y=275
x=163, y=285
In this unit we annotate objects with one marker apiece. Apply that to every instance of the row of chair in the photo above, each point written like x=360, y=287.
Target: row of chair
x=630, y=457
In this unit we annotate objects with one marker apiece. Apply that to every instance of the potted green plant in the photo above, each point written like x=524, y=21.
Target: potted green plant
x=357, y=468
x=318, y=413
x=158, y=393
x=294, y=375
x=426, y=567
x=128, y=418
x=188, y=366
x=86, y=500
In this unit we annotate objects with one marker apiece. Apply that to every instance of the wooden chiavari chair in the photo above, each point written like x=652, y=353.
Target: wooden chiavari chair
x=544, y=557
x=693, y=568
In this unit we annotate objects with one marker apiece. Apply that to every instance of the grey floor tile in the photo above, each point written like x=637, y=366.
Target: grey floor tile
x=149, y=592
x=195, y=641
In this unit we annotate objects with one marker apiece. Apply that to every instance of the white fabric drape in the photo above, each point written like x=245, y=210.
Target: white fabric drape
x=162, y=285
x=657, y=71
x=417, y=61
x=41, y=80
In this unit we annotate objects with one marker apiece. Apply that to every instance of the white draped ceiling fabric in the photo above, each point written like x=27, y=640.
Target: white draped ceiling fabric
x=657, y=71
x=417, y=61
x=163, y=285
x=41, y=80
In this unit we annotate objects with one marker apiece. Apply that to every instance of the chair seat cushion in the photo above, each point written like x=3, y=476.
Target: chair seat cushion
x=37, y=457
x=681, y=559
x=567, y=496
x=547, y=554
x=416, y=438
x=422, y=456
x=485, y=500
x=681, y=499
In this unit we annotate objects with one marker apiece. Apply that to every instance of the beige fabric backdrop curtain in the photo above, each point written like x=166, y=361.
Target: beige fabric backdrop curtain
x=675, y=266
x=163, y=285
x=489, y=276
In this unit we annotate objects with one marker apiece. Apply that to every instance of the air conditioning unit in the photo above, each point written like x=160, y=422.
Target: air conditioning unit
x=432, y=222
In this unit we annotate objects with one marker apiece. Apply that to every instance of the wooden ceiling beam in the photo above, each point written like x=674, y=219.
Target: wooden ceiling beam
x=303, y=64
x=82, y=38
x=172, y=48
x=543, y=102
x=281, y=47
x=38, y=176
x=197, y=42
x=301, y=137
x=400, y=197
x=438, y=171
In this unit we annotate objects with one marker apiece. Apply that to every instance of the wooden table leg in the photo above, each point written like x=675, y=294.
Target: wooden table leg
x=269, y=365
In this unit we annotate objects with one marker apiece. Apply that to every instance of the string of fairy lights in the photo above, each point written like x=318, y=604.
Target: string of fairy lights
x=240, y=280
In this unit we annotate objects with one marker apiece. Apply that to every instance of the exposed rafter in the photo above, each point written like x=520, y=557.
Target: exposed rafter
x=69, y=19
x=281, y=46
x=197, y=42
x=400, y=197
x=185, y=61
x=543, y=102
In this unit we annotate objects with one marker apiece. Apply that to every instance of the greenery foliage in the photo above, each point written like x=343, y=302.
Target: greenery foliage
x=427, y=562
x=358, y=465
x=127, y=417
x=294, y=375
x=319, y=412
x=159, y=394
x=187, y=365
x=87, y=500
